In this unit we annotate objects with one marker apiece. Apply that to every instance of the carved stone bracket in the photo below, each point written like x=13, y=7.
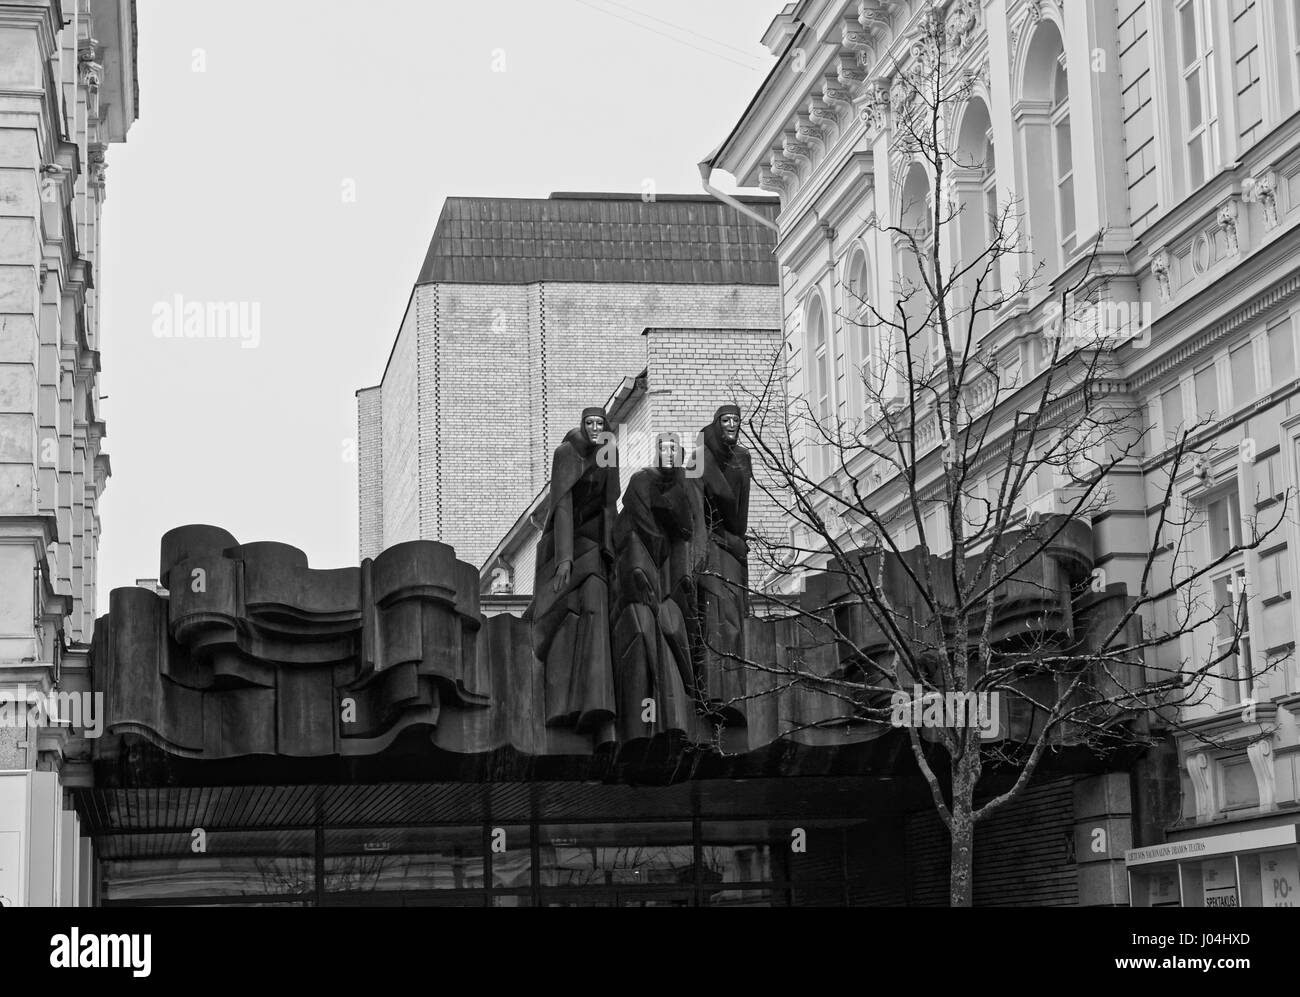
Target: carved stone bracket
x=1263, y=191
x=90, y=69
x=821, y=114
x=873, y=14
x=856, y=38
x=52, y=175
x=784, y=166
x=1160, y=270
x=1227, y=219
x=96, y=163
x=806, y=131
x=769, y=181
x=795, y=149
x=1260, y=754
x=836, y=95
x=1198, y=767
x=850, y=72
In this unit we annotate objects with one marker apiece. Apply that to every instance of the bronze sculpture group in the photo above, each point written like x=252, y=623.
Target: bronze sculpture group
x=638, y=614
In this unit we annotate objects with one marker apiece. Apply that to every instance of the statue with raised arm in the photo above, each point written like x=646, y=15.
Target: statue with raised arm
x=652, y=657
x=721, y=483
x=570, y=610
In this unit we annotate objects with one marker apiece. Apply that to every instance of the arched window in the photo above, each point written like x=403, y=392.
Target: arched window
x=1043, y=116
x=979, y=245
x=819, y=364
x=857, y=312
x=992, y=214
x=914, y=265
x=1063, y=158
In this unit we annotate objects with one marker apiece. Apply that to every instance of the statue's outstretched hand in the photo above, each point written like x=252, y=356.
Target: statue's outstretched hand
x=562, y=572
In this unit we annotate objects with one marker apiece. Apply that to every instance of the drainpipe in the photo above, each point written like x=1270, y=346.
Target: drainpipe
x=706, y=171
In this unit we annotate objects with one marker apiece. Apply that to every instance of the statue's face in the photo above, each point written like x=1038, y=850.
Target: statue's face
x=593, y=426
x=730, y=427
x=668, y=453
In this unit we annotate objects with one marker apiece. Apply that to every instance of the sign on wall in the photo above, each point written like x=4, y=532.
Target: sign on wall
x=1280, y=878
x=1220, y=879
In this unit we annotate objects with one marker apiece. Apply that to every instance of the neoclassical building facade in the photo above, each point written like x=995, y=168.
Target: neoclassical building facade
x=68, y=90
x=1158, y=140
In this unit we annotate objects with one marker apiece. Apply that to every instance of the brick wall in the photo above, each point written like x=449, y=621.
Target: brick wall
x=481, y=466
x=370, y=470
x=692, y=372
x=474, y=405
x=398, y=421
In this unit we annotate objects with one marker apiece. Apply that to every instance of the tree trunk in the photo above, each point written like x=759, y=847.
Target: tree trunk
x=961, y=883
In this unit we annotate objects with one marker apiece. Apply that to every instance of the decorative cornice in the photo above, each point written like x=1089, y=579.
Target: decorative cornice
x=874, y=14
x=784, y=166
x=850, y=72
x=770, y=181
x=822, y=114
x=795, y=149
x=854, y=37
x=1268, y=300
x=836, y=95
x=806, y=131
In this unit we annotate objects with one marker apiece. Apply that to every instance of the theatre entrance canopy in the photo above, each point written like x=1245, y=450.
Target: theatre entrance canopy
x=295, y=735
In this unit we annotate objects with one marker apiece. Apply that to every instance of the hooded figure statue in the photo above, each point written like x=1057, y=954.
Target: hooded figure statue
x=721, y=560
x=652, y=658
x=570, y=610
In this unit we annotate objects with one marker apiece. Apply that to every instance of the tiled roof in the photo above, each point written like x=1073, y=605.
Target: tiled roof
x=601, y=238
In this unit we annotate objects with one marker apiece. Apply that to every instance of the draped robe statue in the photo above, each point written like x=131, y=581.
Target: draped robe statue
x=570, y=610
x=652, y=542
x=721, y=559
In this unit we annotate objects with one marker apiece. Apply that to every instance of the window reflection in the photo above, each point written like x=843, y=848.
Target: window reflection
x=369, y=859
x=615, y=854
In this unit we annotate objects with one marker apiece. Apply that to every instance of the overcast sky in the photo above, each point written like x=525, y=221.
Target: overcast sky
x=293, y=158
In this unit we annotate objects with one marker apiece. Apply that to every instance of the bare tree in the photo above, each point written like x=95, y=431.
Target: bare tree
x=944, y=529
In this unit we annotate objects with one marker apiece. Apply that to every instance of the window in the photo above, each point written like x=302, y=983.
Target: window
x=1197, y=71
x=821, y=379
x=862, y=349
x=1171, y=412
x=1246, y=59
x=1242, y=362
x=1281, y=352
x=913, y=269
x=992, y=216
x=1207, y=394
x=1230, y=615
x=1228, y=586
x=1064, y=159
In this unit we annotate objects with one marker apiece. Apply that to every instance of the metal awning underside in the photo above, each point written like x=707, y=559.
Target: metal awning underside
x=179, y=809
